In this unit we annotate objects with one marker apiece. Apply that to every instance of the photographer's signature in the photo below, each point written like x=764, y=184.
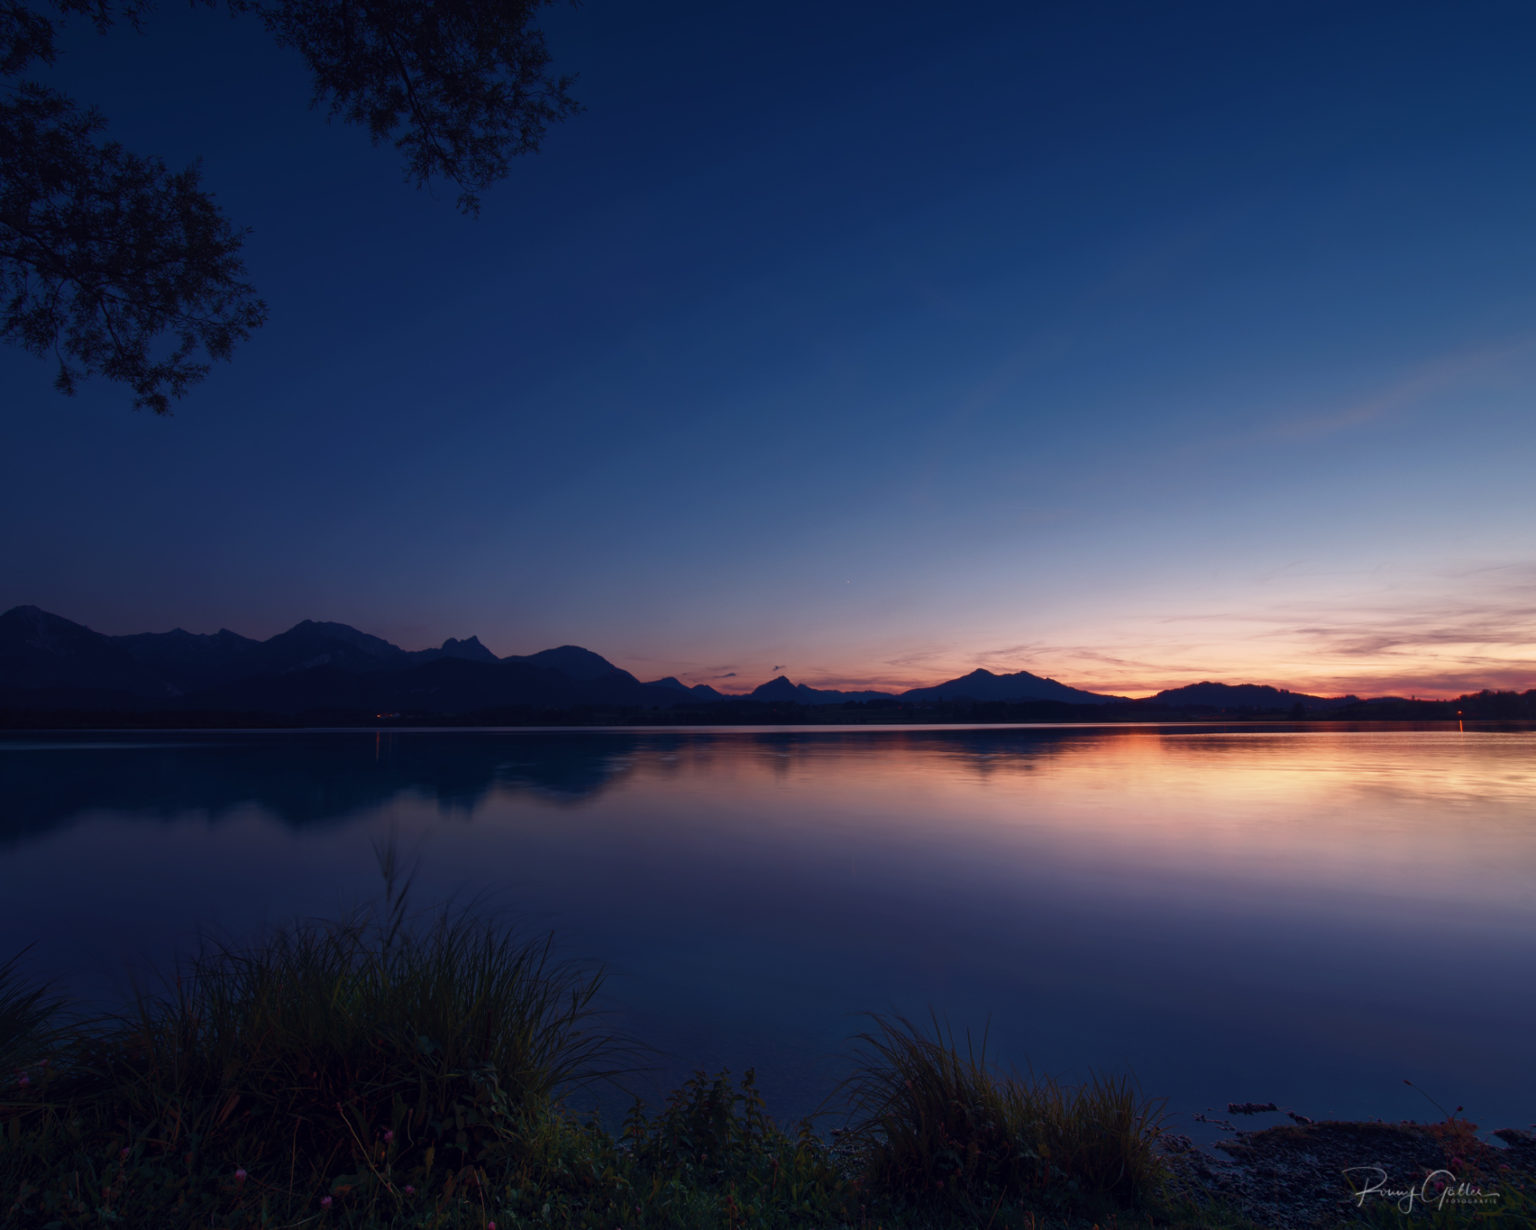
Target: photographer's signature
x=1440, y=1188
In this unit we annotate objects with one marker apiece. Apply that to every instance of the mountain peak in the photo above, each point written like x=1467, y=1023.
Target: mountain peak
x=43, y=623
x=778, y=688
x=781, y=689
x=470, y=649
x=982, y=685
x=572, y=661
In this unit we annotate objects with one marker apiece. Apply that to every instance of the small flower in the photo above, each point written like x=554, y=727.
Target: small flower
x=325, y=1202
x=490, y=1225
x=123, y=1153
x=409, y=1190
x=388, y=1136
x=240, y=1175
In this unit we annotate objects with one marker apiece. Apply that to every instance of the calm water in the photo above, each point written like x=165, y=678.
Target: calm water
x=1302, y=916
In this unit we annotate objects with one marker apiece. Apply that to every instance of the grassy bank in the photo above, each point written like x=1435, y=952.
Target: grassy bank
x=386, y=1070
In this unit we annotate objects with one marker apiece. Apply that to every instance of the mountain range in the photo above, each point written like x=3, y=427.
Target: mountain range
x=50, y=663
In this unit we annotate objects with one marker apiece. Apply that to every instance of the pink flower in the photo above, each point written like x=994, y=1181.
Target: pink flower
x=388, y=1136
x=409, y=1190
x=325, y=1202
x=240, y=1175
x=490, y=1225
x=123, y=1153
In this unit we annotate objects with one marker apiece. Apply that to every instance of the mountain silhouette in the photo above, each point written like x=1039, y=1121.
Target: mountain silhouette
x=43, y=652
x=312, y=643
x=1250, y=696
x=781, y=690
x=698, y=692
x=441, y=686
x=48, y=663
x=573, y=662
x=189, y=661
x=983, y=685
x=470, y=650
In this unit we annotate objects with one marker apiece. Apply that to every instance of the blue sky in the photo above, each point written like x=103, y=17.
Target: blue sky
x=1129, y=344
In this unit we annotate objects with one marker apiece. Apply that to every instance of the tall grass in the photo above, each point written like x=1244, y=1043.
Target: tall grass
x=297, y=1056
x=29, y=1020
x=935, y=1121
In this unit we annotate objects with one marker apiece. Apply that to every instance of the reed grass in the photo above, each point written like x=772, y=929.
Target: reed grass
x=30, y=1019
x=933, y=1119
x=330, y=1053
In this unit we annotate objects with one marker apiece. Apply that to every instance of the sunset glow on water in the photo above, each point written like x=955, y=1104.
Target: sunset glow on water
x=1309, y=916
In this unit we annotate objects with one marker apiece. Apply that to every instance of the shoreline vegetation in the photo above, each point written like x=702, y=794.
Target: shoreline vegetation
x=406, y=1069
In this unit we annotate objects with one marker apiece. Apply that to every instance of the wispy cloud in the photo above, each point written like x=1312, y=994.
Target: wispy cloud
x=1261, y=426
x=1424, y=380
x=919, y=657
x=1441, y=633
x=1446, y=642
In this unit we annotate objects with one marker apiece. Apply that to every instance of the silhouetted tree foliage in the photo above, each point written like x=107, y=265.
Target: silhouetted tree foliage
x=118, y=266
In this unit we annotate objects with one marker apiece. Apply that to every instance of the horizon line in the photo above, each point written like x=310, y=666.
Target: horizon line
x=821, y=681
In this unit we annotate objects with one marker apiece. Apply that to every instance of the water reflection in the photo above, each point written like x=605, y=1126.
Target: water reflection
x=301, y=780
x=310, y=779
x=1304, y=915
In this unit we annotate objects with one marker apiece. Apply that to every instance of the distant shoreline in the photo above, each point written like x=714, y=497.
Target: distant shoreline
x=1497, y=708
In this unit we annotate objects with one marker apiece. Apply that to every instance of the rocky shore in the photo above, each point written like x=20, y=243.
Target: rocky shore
x=1310, y=1176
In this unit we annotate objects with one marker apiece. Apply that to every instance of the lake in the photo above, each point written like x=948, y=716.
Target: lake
x=1304, y=915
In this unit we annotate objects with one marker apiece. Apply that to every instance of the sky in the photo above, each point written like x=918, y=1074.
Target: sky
x=1128, y=344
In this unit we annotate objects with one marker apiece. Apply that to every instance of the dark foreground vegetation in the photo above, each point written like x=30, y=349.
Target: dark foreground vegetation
x=387, y=1070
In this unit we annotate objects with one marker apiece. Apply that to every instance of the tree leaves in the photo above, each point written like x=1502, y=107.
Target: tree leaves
x=120, y=267
x=109, y=260
x=461, y=86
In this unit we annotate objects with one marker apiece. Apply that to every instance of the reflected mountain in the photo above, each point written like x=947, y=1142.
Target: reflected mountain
x=304, y=780
x=318, y=779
